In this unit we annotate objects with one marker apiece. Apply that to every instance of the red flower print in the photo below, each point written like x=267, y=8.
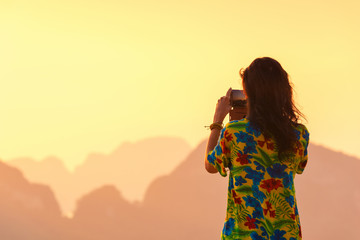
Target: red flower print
x=261, y=143
x=300, y=231
x=277, y=184
x=219, y=160
x=233, y=193
x=298, y=148
x=292, y=216
x=242, y=158
x=250, y=223
x=236, y=199
x=224, y=148
x=266, y=184
x=269, y=144
x=228, y=136
x=272, y=213
x=268, y=209
x=303, y=164
x=271, y=184
x=301, y=153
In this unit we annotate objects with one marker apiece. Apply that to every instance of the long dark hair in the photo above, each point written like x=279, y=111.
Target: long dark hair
x=270, y=102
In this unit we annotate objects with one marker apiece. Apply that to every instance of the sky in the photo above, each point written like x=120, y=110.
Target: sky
x=79, y=76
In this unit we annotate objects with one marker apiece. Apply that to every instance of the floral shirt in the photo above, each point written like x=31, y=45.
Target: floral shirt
x=261, y=201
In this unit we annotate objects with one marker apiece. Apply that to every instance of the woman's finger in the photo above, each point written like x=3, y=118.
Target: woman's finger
x=228, y=93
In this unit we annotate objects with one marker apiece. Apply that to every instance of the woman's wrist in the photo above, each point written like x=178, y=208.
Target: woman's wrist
x=216, y=125
x=218, y=120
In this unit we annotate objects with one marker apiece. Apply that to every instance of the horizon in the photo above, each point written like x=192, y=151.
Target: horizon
x=80, y=76
x=139, y=201
x=139, y=198
x=102, y=211
x=71, y=169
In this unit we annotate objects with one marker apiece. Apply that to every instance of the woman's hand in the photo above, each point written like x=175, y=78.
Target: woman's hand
x=223, y=107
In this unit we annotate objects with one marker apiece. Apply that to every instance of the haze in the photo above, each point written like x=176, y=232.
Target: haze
x=82, y=76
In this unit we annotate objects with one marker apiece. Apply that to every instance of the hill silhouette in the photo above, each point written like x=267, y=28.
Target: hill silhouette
x=28, y=211
x=328, y=195
x=105, y=214
x=187, y=203
x=141, y=162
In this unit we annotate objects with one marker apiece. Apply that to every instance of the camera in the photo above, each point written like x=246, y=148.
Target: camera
x=238, y=104
x=237, y=98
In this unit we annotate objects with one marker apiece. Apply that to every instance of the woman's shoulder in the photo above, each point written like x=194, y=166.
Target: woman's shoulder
x=302, y=130
x=237, y=123
x=243, y=127
x=301, y=127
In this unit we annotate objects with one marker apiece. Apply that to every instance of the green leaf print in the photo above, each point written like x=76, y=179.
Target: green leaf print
x=230, y=205
x=236, y=150
x=282, y=207
x=267, y=160
x=282, y=222
x=237, y=126
x=303, y=142
x=274, y=157
x=274, y=197
x=240, y=234
x=243, y=213
x=293, y=229
x=230, y=210
x=237, y=169
x=237, y=215
x=269, y=226
x=232, y=144
x=286, y=193
x=260, y=160
x=282, y=210
x=244, y=189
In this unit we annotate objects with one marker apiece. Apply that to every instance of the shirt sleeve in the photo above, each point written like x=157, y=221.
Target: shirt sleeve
x=304, y=140
x=219, y=157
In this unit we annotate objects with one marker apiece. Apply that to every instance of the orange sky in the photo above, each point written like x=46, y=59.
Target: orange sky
x=84, y=76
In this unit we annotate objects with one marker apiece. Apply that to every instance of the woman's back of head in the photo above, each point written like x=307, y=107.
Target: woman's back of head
x=270, y=102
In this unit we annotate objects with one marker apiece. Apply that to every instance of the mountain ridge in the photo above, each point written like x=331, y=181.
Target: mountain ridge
x=131, y=160
x=187, y=203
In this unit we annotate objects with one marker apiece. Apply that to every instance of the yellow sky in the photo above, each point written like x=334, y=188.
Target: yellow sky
x=84, y=76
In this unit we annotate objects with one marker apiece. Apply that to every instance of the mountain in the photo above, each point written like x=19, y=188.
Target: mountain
x=187, y=203
x=106, y=214
x=50, y=171
x=131, y=167
x=194, y=201
x=328, y=195
x=28, y=211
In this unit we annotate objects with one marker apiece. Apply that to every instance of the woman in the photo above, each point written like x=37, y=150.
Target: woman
x=263, y=152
